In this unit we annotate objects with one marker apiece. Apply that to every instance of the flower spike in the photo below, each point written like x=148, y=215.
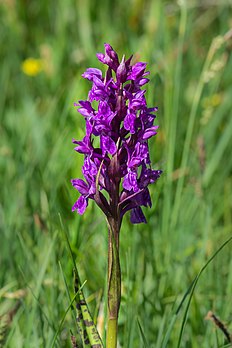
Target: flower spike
x=117, y=171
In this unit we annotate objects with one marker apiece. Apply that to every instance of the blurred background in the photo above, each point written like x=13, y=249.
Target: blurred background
x=45, y=46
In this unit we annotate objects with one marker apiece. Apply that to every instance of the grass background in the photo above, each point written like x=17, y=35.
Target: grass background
x=187, y=45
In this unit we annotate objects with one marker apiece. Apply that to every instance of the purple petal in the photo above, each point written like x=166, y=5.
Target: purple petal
x=91, y=72
x=137, y=71
x=89, y=167
x=110, y=52
x=108, y=145
x=129, y=122
x=84, y=146
x=81, y=186
x=150, y=132
x=130, y=181
x=80, y=205
x=98, y=82
x=140, y=94
x=148, y=176
x=101, y=57
x=85, y=108
x=110, y=57
x=155, y=109
x=143, y=82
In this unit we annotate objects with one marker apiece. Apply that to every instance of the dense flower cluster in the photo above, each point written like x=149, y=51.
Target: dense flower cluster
x=116, y=167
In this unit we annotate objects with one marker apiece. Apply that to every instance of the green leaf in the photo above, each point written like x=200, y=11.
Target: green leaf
x=87, y=329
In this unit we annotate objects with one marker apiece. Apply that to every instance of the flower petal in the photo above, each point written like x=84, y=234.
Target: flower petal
x=80, y=205
x=108, y=145
x=81, y=186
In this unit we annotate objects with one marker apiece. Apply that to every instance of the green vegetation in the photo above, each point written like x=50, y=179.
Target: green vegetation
x=188, y=49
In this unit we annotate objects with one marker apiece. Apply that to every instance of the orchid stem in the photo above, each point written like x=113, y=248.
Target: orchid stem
x=112, y=332
x=114, y=285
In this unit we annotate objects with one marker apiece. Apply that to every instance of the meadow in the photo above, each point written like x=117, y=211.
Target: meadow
x=178, y=266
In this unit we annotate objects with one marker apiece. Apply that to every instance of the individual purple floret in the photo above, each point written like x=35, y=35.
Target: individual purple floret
x=117, y=168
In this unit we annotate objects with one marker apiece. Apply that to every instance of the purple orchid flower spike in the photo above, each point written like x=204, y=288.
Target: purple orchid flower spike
x=120, y=165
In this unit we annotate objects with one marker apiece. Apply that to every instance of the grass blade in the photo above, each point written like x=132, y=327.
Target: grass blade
x=87, y=329
x=193, y=286
x=145, y=343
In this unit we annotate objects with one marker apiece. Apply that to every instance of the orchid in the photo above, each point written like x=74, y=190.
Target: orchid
x=117, y=167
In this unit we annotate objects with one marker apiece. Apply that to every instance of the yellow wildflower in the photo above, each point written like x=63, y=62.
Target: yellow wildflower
x=32, y=66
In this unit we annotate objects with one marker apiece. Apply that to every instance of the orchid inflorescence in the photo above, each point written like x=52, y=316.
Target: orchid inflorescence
x=117, y=166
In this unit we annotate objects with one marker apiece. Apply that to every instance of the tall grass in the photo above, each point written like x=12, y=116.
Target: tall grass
x=187, y=46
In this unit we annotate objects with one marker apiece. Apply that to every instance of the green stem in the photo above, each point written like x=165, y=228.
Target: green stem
x=112, y=331
x=114, y=284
